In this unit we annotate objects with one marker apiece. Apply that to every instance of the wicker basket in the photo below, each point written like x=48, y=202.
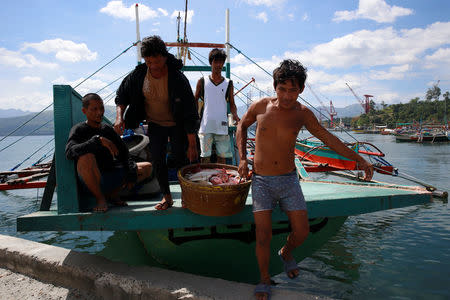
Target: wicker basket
x=213, y=200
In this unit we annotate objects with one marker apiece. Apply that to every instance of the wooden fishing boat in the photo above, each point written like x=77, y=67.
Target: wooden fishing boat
x=420, y=137
x=180, y=239
x=27, y=178
x=326, y=159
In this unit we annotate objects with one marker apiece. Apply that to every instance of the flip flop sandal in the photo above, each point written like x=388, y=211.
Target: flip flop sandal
x=263, y=289
x=288, y=266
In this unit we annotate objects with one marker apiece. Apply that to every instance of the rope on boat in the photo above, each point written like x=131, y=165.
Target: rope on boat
x=254, y=62
x=44, y=156
x=134, y=44
x=97, y=92
x=48, y=106
x=18, y=165
x=25, y=123
x=198, y=60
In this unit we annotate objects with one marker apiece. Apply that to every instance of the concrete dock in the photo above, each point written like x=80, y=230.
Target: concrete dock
x=31, y=270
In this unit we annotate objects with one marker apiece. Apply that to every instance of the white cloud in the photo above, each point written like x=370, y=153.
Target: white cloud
x=20, y=60
x=375, y=48
x=268, y=3
x=396, y=72
x=305, y=17
x=29, y=101
x=389, y=97
x=163, y=12
x=156, y=24
x=262, y=16
x=64, y=50
x=118, y=10
x=377, y=10
x=249, y=70
x=439, y=59
x=190, y=14
x=31, y=79
x=91, y=85
x=238, y=59
x=291, y=17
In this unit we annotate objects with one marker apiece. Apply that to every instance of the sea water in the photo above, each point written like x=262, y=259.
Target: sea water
x=398, y=254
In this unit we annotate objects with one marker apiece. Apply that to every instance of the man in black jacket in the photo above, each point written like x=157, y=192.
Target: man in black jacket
x=159, y=93
x=102, y=158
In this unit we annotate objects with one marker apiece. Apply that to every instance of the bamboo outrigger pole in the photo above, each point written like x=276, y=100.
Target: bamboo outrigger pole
x=227, y=42
x=138, y=36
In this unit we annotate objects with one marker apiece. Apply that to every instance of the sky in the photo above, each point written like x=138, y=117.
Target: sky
x=391, y=49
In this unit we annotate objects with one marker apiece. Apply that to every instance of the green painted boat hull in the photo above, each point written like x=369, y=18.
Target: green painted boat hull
x=219, y=251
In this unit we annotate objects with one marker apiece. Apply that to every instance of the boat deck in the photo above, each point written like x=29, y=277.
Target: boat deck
x=324, y=199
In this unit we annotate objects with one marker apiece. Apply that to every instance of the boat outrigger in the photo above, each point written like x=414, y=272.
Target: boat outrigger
x=180, y=239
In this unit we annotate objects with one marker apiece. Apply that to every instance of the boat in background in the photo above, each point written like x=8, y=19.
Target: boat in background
x=387, y=131
x=317, y=157
x=425, y=135
x=27, y=178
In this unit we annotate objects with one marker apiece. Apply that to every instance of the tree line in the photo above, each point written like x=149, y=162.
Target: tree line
x=428, y=110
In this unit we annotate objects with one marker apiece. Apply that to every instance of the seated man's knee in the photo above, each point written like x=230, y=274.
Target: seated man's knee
x=86, y=161
x=146, y=169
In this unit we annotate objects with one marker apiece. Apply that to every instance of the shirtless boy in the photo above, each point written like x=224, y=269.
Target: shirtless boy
x=275, y=179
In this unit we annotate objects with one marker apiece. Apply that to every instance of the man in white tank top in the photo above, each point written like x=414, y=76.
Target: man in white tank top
x=215, y=91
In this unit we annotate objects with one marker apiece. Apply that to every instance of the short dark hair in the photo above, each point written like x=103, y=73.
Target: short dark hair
x=88, y=97
x=290, y=69
x=217, y=54
x=153, y=46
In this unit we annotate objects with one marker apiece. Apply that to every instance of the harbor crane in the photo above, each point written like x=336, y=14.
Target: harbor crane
x=331, y=111
x=364, y=103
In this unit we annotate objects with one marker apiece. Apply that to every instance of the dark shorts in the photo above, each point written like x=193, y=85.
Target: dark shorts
x=268, y=190
x=109, y=181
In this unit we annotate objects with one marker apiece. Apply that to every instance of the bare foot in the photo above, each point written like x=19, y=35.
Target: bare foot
x=165, y=203
x=101, y=207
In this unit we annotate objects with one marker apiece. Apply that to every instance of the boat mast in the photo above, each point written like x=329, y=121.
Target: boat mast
x=185, y=37
x=138, y=36
x=178, y=35
x=227, y=42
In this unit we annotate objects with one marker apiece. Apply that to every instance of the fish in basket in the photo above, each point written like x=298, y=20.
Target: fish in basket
x=213, y=189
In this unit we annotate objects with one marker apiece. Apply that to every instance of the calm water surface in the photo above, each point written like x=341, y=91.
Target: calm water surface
x=397, y=254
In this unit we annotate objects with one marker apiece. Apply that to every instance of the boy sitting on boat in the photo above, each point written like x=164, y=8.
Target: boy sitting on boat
x=102, y=158
x=215, y=91
x=274, y=178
